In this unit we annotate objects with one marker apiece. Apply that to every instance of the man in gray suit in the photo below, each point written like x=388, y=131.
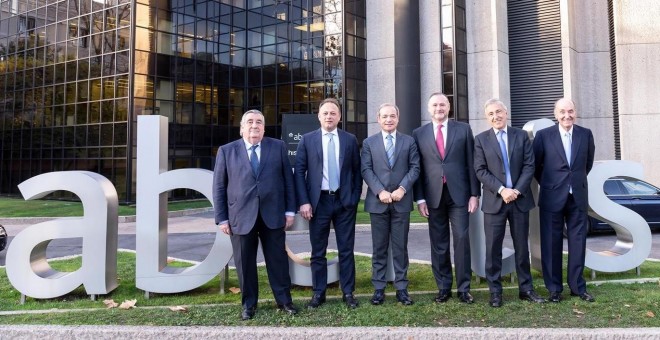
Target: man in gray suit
x=447, y=191
x=390, y=167
x=504, y=163
x=254, y=199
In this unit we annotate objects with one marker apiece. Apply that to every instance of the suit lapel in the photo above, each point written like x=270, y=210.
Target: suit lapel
x=265, y=154
x=556, y=141
x=451, y=134
x=343, y=144
x=428, y=135
x=242, y=154
x=317, y=139
x=494, y=144
x=575, y=145
x=397, y=149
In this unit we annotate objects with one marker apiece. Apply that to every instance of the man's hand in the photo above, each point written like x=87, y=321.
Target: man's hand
x=306, y=211
x=397, y=194
x=289, y=222
x=423, y=209
x=473, y=204
x=509, y=195
x=225, y=228
x=385, y=197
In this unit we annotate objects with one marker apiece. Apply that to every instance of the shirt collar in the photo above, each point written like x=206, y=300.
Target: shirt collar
x=334, y=132
x=248, y=145
x=563, y=132
x=444, y=124
x=505, y=130
x=387, y=133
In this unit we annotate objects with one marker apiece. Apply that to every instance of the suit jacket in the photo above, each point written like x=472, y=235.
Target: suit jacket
x=457, y=166
x=379, y=175
x=553, y=172
x=239, y=195
x=489, y=167
x=309, y=169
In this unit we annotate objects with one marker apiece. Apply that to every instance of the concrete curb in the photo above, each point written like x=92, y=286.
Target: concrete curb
x=357, y=333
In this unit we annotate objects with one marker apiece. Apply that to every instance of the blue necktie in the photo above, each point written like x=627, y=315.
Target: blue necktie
x=254, y=160
x=505, y=158
x=333, y=177
x=389, y=149
x=567, y=147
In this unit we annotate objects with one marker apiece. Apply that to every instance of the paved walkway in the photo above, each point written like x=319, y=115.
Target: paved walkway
x=191, y=238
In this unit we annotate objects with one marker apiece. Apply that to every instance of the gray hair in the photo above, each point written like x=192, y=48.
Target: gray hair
x=243, y=118
x=495, y=101
x=384, y=105
x=438, y=93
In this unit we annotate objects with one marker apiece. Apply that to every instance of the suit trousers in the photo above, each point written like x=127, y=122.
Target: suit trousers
x=552, y=228
x=495, y=228
x=390, y=228
x=449, y=213
x=331, y=210
x=277, y=263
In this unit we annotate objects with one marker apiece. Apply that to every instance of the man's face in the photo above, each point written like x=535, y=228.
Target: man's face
x=438, y=108
x=497, y=116
x=252, y=129
x=329, y=116
x=565, y=113
x=388, y=119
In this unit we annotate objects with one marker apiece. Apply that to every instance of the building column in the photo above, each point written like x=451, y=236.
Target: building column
x=587, y=68
x=488, y=57
x=638, y=61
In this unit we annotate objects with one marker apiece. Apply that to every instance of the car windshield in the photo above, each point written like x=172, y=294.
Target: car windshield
x=639, y=188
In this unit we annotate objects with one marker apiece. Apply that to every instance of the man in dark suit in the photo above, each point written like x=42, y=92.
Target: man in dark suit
x=504, y=163
x=447, y=191
x=564, y=156
x=390, y=167
x=254, y=199
x=328, y=187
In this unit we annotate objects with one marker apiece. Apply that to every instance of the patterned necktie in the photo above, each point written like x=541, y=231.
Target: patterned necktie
x=567, y=147
x=389, y=149
x=440, y=143
x=333, y=174
x=254, y=160
x=505, y=158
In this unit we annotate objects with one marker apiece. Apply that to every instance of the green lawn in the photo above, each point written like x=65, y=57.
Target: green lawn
x=617, y=305
x=15, y=207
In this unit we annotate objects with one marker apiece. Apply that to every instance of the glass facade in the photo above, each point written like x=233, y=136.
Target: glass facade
x=74, y=76
x=454, y=57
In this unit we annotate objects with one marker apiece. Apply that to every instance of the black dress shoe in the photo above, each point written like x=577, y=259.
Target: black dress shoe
x=584, y=296
x=495, y=300
x=403, y=297
x=316, y=301
x=379, y=297
x=350, y=301
x=531, y=296
x=289, y=308
x=555, y=297
x=248, y=313
x=443, y=296
x=465, y=297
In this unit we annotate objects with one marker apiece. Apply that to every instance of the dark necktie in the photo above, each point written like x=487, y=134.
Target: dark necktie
x=254, y=160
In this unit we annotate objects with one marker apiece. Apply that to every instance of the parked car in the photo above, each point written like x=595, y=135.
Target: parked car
x=3, y=238
x=637, y=195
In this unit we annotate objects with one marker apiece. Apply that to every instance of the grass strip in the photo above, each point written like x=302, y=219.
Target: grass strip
x=617, y=305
